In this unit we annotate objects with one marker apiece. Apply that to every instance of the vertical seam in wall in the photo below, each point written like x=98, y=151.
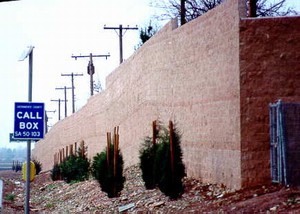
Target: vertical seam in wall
x=241, y=13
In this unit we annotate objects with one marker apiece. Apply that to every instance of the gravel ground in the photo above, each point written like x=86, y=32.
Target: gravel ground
x=86, y=197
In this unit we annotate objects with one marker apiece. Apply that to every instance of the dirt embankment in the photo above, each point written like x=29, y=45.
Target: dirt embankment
x=86, y=197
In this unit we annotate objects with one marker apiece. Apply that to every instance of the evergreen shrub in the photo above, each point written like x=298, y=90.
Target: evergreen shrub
x=147, y=156
x=55, y=172
x=74, y=168
x=103, y=171
x=170, y=181
x=156, y=166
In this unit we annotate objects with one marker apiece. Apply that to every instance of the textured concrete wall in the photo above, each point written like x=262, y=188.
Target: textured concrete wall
x=270, y=70
x=214, y=77
x=188, y=74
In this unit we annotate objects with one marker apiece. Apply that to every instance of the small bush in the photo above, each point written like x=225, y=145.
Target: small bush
x=104, y=172
x=147, y=155
x=49, y=206
x=75, y=168
x=10, y=197
x=55, y=172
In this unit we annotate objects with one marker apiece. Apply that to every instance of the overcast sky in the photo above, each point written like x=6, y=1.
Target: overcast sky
x=57, y=29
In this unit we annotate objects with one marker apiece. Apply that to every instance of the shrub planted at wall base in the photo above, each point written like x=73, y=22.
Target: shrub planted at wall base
x=161, y=167
x=111, y=182
x=75, y=168
x=147, y=156
x=170, y=169
x=55, y=172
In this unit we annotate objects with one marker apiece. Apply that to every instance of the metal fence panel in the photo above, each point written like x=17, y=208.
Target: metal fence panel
x=285, y=142
x=291, y=112
x=274, y=145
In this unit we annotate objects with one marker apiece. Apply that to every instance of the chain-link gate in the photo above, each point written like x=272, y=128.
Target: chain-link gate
x=285, y=142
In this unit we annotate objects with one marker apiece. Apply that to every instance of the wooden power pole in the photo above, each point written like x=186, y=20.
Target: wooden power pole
x=252, y=8
x=120, y=34
x=91, y=68
x=182, y=12
x=66, y=100
x=73, y=94
x=59, y=101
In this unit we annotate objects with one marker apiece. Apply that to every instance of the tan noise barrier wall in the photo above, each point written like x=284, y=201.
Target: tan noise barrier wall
x=213, y=77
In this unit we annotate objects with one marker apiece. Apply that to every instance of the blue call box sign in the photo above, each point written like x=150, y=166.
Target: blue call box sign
x=29, y=121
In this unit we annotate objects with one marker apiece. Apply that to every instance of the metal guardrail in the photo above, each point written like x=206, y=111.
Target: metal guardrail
x=10, y=165
x=6, y=166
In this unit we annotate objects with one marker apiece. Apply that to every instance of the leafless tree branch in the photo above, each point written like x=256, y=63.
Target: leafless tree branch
x=195, y=8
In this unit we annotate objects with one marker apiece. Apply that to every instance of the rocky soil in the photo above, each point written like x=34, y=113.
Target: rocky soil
x=86, y=197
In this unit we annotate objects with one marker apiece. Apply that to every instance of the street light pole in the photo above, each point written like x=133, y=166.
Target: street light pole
x=30, y=55
x=27, y=206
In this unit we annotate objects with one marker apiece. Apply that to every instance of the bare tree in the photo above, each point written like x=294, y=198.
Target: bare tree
x=264, y=8
x=97, y=86
x=195, y=8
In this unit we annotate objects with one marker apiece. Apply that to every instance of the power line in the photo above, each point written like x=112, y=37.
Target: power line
x=120, y=34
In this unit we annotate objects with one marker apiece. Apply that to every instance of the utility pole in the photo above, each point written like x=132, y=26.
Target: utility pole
x=120, y=34
x=252, y=8
x=65, y=93
x=72, y=80
x=91, y=68
x=182, y=12
x=59, y=101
